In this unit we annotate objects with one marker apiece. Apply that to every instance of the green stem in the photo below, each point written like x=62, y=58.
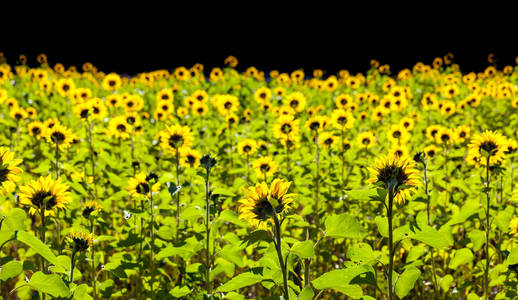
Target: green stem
x=92, y=253
x=486, y=271
x=57, y=160
x=177, y=162
x=432, y=254
x=287, y=161
x=207, y=231
x=72, y=265
x=151, y=261
x=92, y=156
x=278, y=247
x=390, y=241
x=317, y=182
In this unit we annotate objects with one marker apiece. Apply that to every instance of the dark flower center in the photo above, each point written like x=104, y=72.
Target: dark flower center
x=396, y=134
x=228, y=105
x=80, y=244
x=366, y=141
x=247, y=148
x=121, y=128
x=389, y=173
x=314, y=125
x=57, y=137
x=489, y=147
x=175, y=140
x=294, y=103
x=265, y=168
x=286, y=128
x=111, y=83
x=36, y=130
x=84, y=114
x=40, y=197
x=142, y=188
x=342, y=120
x=130, y=120
x=445, y=137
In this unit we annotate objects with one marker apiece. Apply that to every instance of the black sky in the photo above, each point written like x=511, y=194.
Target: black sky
x=283, y=41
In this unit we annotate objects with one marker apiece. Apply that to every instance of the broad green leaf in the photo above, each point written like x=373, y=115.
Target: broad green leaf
x=81, y=292
x=306, y=293
x=512, y=258
x=462, y=256
x=469, y=208
x=362, y=194
x=361, y=253
x=340, y=280
x=406, y=281
x=240, y=281
x=429, y=236
x=478, y=238
x=445, y=282
x=303, y=249
x=344, y=226
x=232, y=217
x=14, y=220
x=11, y=269
x=223, y=192
x=180, y=292
x=30, y=240
x=50, y=284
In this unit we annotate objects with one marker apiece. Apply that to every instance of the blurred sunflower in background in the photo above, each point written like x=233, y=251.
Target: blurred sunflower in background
x=8, y=171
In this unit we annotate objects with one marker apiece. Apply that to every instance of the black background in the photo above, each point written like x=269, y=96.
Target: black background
x=265, y=37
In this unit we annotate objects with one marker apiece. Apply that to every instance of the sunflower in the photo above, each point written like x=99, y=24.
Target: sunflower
x=164, y=106
x=175, y=137
x=18, y=113
x=379, y=113
x=83, y=110
x=462, y=133
x=36, y=129
x=264, y=167
x=431, y=151
x=142, y=185
x=133, y=103
x=264, y=203
x=316, y=124
x=327, y=140
x=119, y=128
x=286, y=127
x=429, y=101
x=165, y=95
x=112, y=82
x=513, y=225
x=343, y=101
x=189, y=157
x=246, y=147
x=262, y=94
x=444, y=136
x=91, y=207
x=231, y=120
x=396, y=172
x=59, y=135
x=399, y=150
x=487, y=144
x=114, y=100
x=45, y=193
x=8, y=170
x=407, y=122
x=342, y=119
x=98, y=109
x=398, y=134
x=65, y=86
x=366, y=139
x=432, y=130
x=80, y=240
x=296, y=100
x=231, y=61
x=200, y=95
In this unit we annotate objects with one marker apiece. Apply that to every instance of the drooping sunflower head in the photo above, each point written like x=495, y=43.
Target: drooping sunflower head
x=80, y=240
x=265, y=167
x=396, y=172
x=91, y=207
x=263, y=203
x=487, y=144
x=45, y=193
x=141, y=185
x=8, y=170
x=59, y=135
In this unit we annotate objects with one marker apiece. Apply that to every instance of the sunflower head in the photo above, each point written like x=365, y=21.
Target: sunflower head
x=91, y=207
x=246, y=147
x=142, y=185
x=8, y=171
x=487, y=145
x=265, y=167
x=59, y=135
x=45, y=193
x=396, y=173
x=80, y=240
x=264, y=203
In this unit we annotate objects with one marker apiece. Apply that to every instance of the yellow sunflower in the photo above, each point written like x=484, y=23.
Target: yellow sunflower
x=36, y=129
x=246, y=147
x=45, y=193
x=431, y=151
x=189, y=157
x=8, y=170
x=112, y=82
x=396, y=172
x=488, y=144
x=142, y=185
x=80, y=240
x=342, y=119
x=286, y=127
x=119, y=128
x=263, y=203
x=90, y=207
x=327, y=140
x=59, y=135
x=265, y=167
x=366, y=139
x=296, y=100
x=398, y=134
x=175, y=137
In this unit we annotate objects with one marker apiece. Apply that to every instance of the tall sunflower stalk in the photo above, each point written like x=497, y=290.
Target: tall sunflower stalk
x=395, y=175
x=208, y=162
x=263, y=205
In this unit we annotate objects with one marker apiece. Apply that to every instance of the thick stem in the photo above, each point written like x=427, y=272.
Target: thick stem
x=280, y=257
x=486, y=271
x=432, y=254
x=390, y=241
x=207, y=230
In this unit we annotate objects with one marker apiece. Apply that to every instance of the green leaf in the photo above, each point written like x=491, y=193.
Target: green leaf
x=303, y=249
x=10, y=270
x=469, y=208
x=512, y=258
x=362, y=194
x=462, y=256
x=478, y=238
x=445, y=282
x=306, y=294
x=180, y=292
x=231, y=216
x=14, y=220
x=50, y=284
x=430, y=236
x=361, y=253
x=406, y=281
x=30, y=240
x=340, y=280
x=240, y=281
x=256, y=236
x=81, y=292
x=223, y=192
x=344, y=226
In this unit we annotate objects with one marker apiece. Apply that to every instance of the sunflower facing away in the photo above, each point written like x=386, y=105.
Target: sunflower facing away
x=8, y=170
x=45, y=191
x=395, y=170
x=80, y=240
x=263, y=203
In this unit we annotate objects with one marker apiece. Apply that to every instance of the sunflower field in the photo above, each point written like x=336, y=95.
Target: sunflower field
x=219, y=184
